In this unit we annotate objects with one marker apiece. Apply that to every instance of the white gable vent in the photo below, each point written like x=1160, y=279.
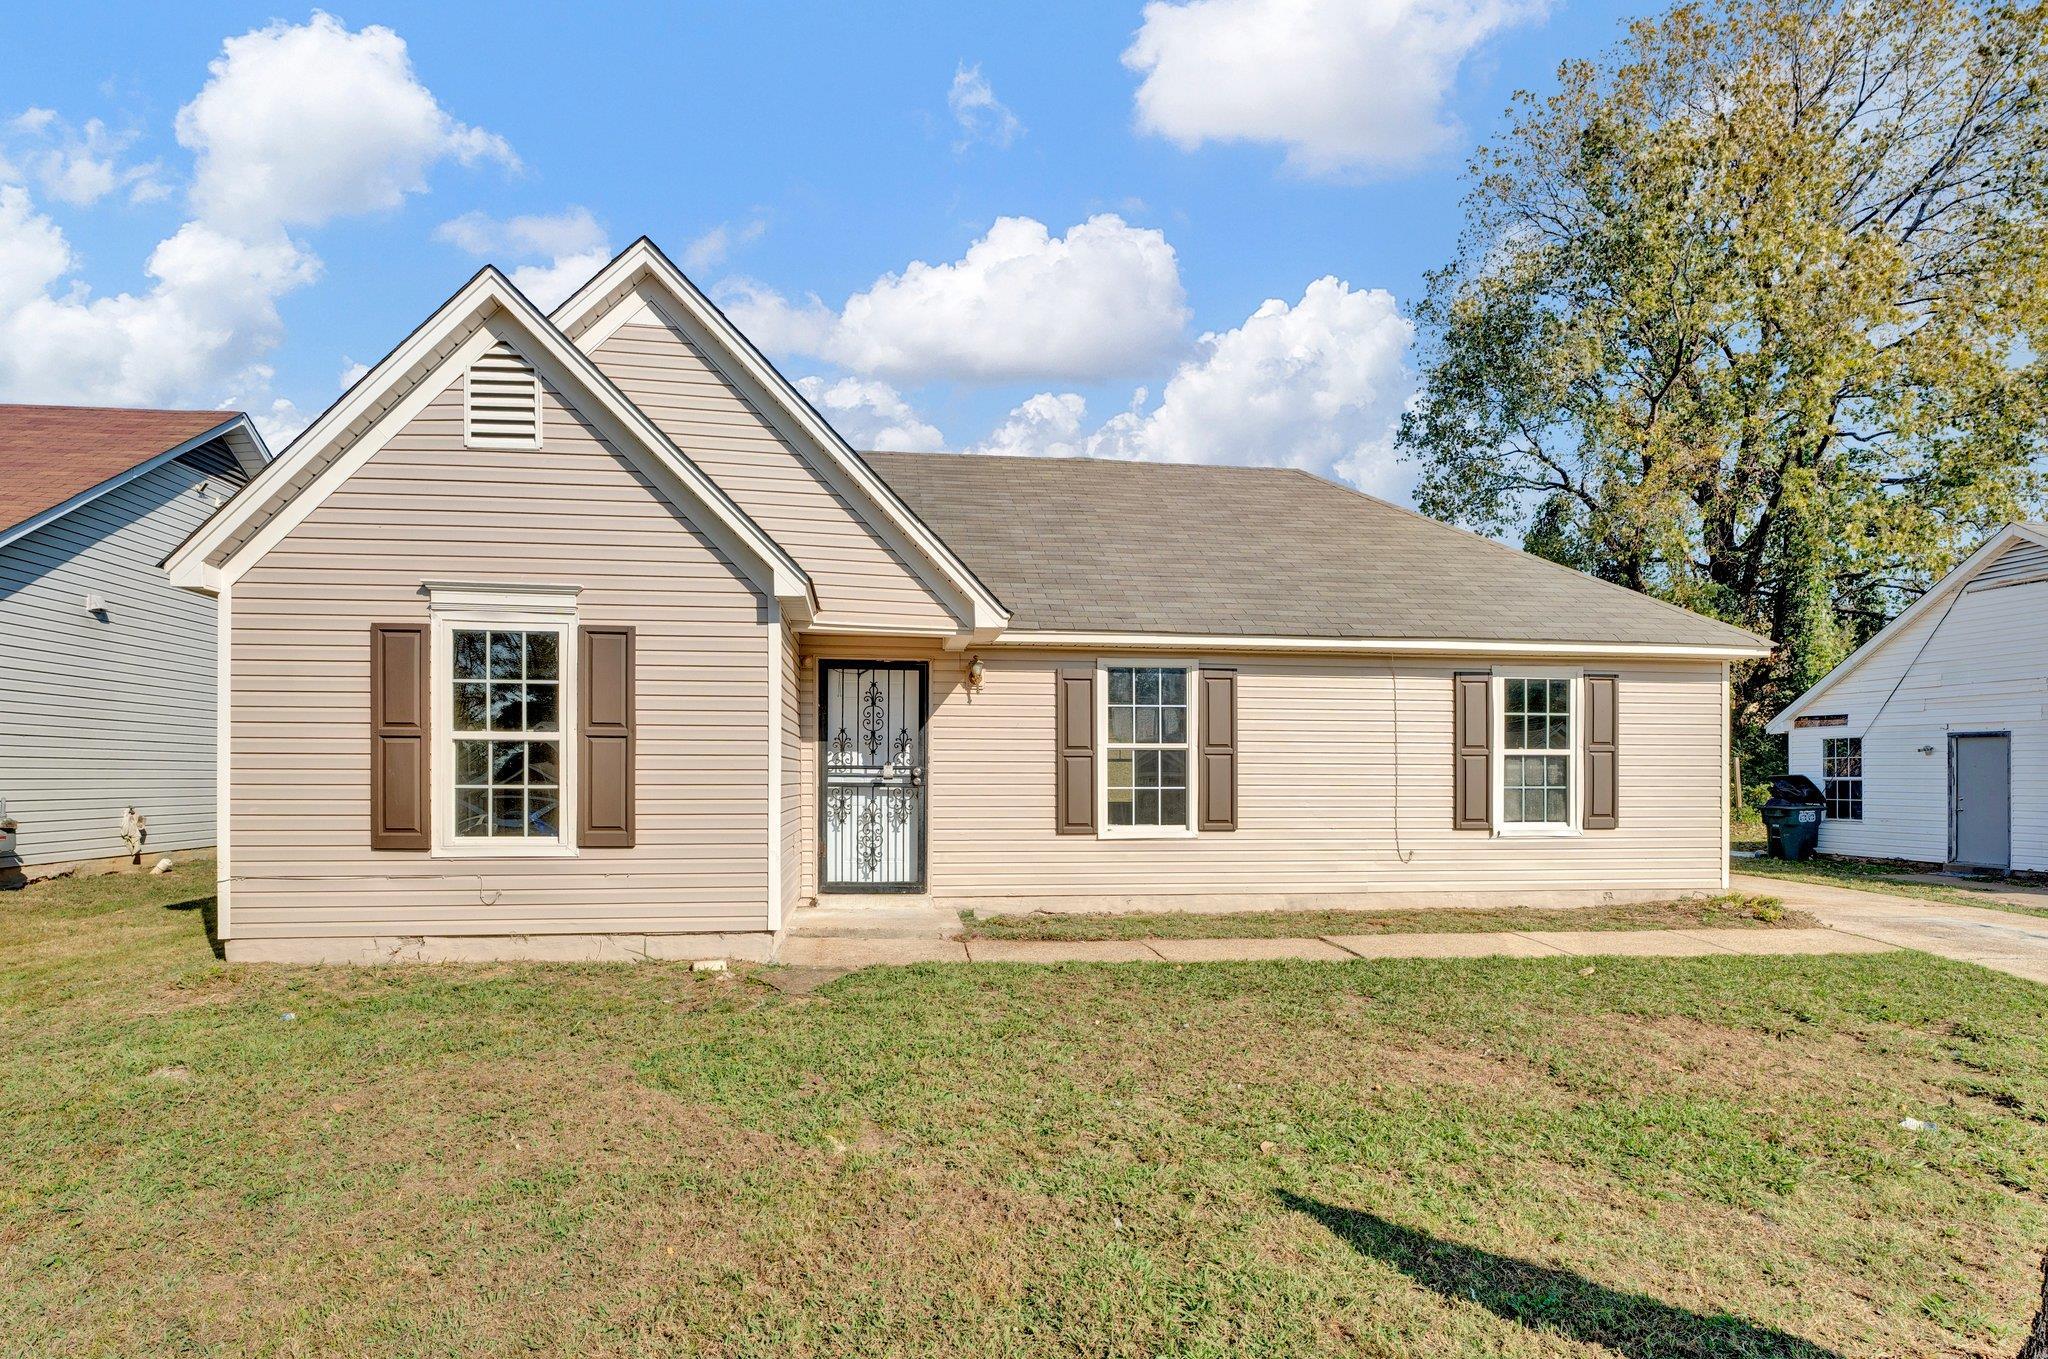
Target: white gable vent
x=501, y=408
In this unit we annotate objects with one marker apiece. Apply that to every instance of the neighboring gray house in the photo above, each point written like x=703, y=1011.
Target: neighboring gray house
x=107, y=676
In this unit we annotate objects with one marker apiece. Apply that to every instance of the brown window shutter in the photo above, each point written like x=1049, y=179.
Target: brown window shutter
x=1219, y=750
x=605, y=755
x=1472, y=751
x=399, y=731
x=1074, y=752
x=1603, y=742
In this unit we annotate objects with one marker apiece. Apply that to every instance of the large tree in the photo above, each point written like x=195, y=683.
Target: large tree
x=1749, y=314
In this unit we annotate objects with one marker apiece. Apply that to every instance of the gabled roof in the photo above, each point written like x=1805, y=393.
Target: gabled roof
x=54, y=459
x=1942, y=590
x=1099, y=548
x=594, y=311
x=333, y=445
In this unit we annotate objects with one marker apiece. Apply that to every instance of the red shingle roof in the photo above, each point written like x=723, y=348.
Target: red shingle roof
x=49, y=454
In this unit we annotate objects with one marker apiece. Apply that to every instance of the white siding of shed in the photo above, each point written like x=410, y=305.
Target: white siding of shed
x=1977, y=665
x=102, y=715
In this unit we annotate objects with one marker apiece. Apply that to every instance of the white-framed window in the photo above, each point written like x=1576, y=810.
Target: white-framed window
x=1841, y=782
x=1536, y=783
x=504, y=673
x=1147, y=770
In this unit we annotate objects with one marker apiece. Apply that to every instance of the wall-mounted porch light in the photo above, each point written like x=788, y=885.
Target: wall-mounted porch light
x=977, y=674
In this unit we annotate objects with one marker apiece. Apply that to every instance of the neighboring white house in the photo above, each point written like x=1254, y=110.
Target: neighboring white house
x=1931, y=741
x=106, y=680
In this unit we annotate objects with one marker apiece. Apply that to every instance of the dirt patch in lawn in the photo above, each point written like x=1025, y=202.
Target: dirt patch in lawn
x=1734, y=910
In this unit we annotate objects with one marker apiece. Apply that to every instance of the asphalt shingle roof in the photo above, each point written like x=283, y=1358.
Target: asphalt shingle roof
x=48, y=454
x=1090, y=545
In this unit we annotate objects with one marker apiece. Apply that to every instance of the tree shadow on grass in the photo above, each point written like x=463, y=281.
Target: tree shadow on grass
x=1542, y=1298
x=209, y=919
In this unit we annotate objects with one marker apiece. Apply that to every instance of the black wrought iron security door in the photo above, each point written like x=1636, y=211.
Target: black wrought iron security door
x=872, y=739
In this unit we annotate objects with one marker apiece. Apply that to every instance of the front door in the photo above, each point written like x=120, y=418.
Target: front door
x=872, y=735
x=1980, y=799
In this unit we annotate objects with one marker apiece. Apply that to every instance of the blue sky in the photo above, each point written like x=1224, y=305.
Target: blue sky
x=207, y=204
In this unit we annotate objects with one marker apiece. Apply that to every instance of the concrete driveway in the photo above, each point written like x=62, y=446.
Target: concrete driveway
x=2001, y=940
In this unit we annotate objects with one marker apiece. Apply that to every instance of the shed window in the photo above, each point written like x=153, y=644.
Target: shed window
x=1147, y=755
x=1536, y=751
x=1841, y=769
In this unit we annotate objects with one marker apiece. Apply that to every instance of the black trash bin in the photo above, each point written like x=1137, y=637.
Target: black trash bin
x=1792, y=816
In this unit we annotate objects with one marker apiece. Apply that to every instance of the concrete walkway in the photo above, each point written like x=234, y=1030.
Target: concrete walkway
x=2000, y=940
x=851, y=951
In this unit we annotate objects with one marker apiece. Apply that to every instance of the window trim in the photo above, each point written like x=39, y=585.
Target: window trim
x=1574, y=800
x=533, y=609
x=1860, y=780
x=1192, y=670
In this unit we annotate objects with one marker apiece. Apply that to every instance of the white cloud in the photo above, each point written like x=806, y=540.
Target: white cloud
x=1045, y=426
x=981, y=116
x=33, y=252
x=772, y=321
x=572, y=241
x=299, y=124
x=206, y=322
x=871, y=414
x=1343, y=85
x=351, y=372
x=550, y=284
x=294, y=126
x=1318, y=385
x=712, y=248
x=1102, y=301
x=570, y=232
x=79, y=165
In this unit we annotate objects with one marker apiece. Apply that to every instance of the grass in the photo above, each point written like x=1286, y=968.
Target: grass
x=1880, y=875
x=1732, y=910
x=1520, y=1158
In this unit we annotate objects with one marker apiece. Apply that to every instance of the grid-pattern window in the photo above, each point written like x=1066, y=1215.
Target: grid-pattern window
x=1841, y=777
x=508, y=684
x=1147, y=757
x=1536, y=764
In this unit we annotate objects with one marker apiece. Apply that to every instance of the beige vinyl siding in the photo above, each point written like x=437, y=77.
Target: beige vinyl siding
x=1317, y=747
x=573, y=512
x=860, y=579
x=789, y=709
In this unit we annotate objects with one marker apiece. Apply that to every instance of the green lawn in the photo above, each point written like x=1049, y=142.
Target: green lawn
x=1517, y=1158
x=1732, y=910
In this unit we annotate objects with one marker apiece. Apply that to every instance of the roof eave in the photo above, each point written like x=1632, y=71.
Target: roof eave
x=488, y=293
x=1957, y=577
x=985, y=613
x=1410, y=646
x=234, y=430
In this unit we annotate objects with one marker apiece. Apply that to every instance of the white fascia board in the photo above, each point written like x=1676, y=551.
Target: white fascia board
x=1375, y=646
x=231, y=426
x=188, y=563
x=1956, y=579
x=499, y=311
x=776, y=396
